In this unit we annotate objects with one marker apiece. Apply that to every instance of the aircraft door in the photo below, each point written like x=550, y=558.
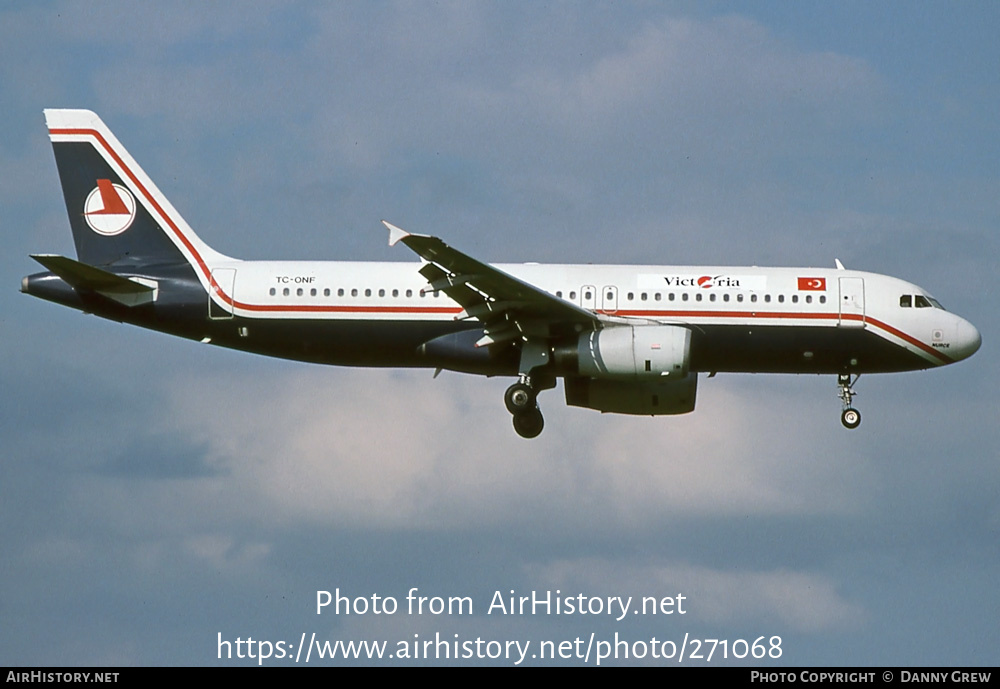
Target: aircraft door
x=609, y=299
x=588, y=297
x=223, y=279
x=852, y=302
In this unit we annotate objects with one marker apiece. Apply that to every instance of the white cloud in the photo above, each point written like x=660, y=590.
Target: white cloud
x=677, y=77
x=402, y=450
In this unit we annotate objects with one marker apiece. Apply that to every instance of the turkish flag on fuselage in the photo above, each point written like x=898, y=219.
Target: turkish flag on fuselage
x=812, y=284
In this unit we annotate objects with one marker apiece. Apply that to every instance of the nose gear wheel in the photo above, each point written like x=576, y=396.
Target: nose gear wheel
x=850, y=417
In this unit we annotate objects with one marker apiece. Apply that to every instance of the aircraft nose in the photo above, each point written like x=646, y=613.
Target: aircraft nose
x=967, y=340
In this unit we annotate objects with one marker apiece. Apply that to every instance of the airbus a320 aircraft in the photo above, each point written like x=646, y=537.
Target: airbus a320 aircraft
x=625, y=339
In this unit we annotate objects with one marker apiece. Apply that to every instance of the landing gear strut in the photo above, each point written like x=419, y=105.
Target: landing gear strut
x=520, y=397
x=850, y=417
x=520, y=401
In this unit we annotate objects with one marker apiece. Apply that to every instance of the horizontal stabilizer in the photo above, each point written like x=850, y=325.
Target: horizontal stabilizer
x=80, y=276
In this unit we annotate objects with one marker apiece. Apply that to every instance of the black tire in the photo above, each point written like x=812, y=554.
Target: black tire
x=851, y=418
x=519, y=398
x=529, y=424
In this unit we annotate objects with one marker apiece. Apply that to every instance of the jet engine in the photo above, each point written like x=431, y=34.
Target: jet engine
x=641, y=369
x=640, y=352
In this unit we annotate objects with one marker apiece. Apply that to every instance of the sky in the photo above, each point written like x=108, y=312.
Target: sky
x=158, y=496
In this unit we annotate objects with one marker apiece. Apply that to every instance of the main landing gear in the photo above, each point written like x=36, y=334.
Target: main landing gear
x=850, y=417
x=520, y=399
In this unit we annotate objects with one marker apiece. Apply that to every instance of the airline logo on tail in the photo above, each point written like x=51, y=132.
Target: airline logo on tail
x=109, y=208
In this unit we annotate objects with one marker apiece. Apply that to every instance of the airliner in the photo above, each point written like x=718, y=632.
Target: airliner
x=625, y=339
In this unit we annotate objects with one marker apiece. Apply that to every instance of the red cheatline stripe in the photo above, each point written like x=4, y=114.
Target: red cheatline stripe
x=756, y=315
x=265, y=308
x=321, y=308
x=912, y=340
x=149, y=197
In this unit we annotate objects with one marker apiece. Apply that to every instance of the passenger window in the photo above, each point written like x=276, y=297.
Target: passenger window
x=312, y=292
x=781, y=298
x=572, y=295
x=739, y=297
x=753, y=297
x=354, y=292
x=711, y=297
x=409, y=293
x=809, y=299
x=767, y=298
x=906, y=301
x=725, y=297
x=921, y=302
x=795, y=299
x=670, y=296
x=285, y=292
x=368, y=292
x=631, y=296
x=643, y=296
x=395, y=292
x=381, y=292
x=587, y=295
x=684, y=296
x=298, y=292
x=340, y=292
x=273, y=291
x=326, y=292
x=822, y=299
x=697, y=296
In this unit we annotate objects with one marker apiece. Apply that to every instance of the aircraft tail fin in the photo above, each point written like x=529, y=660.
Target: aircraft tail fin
x=116, y=212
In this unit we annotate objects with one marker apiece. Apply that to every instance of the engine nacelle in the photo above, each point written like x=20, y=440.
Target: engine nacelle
x=630, y=352
x=648, y=397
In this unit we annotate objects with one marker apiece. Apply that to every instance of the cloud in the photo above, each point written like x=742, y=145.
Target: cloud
x=679, y=76
x=802, y=601
x=400, y=450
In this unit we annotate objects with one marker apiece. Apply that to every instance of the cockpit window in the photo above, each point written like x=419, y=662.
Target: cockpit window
x=921, y=301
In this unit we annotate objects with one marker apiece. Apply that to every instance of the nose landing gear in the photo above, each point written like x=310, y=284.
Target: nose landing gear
x=850, y=417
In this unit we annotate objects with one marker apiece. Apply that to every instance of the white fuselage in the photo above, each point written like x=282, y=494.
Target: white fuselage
x=695, y=295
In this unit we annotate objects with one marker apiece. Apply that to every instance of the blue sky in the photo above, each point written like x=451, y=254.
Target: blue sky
x=155, y=493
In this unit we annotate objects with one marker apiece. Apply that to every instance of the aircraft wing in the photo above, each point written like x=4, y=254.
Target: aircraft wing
x=508, y=307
